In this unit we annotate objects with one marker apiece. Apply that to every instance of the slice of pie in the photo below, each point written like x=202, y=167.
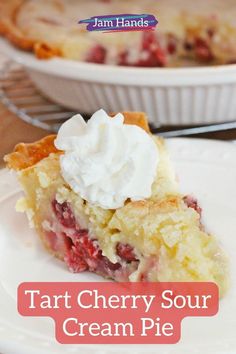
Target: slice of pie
x=157, y=238
x=186, y=34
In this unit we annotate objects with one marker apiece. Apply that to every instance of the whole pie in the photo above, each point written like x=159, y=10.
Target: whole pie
x=156, y=238
x=186, y=34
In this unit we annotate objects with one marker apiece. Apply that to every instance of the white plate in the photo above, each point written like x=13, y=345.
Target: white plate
x=205, y=168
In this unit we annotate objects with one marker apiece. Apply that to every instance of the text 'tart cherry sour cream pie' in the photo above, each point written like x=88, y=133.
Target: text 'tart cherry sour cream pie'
x=103, y=197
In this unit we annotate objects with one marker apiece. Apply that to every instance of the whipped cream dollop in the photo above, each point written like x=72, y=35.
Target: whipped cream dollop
x=106, y=161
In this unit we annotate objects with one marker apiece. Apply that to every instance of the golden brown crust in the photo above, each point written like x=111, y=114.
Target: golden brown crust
x=147, y=207
x=45, y=51
x=27, y=155
x=8, y=28
x=136, y=118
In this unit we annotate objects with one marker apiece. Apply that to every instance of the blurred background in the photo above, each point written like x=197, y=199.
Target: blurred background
x=33, y=103
x=13, y=129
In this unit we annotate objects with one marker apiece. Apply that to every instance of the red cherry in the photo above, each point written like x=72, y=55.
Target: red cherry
x=97, y=55
x=126, y=252
x=64, y=213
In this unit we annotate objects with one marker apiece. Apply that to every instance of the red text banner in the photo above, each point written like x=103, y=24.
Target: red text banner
x=108, y=312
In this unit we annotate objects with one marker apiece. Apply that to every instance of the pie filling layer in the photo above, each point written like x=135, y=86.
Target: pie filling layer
x=161, y=238
x=81, y=251
x=155, y=51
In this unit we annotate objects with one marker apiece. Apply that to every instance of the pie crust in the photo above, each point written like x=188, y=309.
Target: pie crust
x=8, y=13
x=9, y=29
x=27, y=155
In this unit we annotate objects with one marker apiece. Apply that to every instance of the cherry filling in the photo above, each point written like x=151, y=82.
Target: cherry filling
x=85, y=254
x=81, y=252
x=201, y=47
x=192, y=202
x=97, y=55
x=202, y=50
x=154, y=53
x=64, y=214
x=151, y=53
x=172, y=44
x=125, y=252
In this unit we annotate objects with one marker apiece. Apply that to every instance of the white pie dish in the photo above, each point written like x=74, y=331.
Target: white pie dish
x=170, y=96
